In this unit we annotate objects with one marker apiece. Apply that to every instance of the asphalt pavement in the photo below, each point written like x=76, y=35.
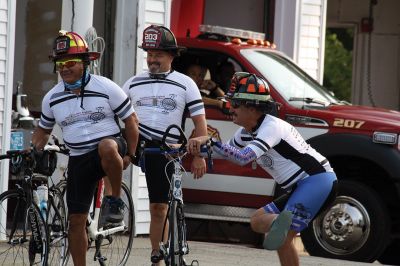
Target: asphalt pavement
x=217, y=254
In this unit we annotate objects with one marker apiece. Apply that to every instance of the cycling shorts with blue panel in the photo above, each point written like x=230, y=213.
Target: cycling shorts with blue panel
x=306, y=200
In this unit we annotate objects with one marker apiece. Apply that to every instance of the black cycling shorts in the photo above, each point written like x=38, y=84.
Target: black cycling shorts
x=157, y=182
x=83, y=173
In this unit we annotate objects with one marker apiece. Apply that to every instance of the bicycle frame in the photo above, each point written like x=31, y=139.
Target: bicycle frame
x=93, y=218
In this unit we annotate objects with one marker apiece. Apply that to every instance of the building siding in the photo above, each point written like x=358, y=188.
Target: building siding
x=150, y=12
x=3, y=61
x=311, y=37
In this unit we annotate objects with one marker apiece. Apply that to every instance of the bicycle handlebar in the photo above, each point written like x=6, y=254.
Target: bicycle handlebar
x=56, y=147
x=168, y=150
x=182, y=137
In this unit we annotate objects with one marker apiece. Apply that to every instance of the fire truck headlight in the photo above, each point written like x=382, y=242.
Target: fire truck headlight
x=385, y=138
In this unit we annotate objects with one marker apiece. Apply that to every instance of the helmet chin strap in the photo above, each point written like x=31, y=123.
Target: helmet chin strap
x=80, y=83
x=162, y=75
x=77, y=84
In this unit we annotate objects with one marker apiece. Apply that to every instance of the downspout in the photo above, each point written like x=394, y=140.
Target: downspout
x=77, y=15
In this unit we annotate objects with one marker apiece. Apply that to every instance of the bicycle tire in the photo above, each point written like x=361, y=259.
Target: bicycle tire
x=61, y=186
x=17, y=243
x=57, y=224
x=116, y=247
x=174, y=245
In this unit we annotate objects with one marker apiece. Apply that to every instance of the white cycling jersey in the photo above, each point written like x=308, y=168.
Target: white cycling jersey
x=281, y=151
x=83, y=128
x=160, y=103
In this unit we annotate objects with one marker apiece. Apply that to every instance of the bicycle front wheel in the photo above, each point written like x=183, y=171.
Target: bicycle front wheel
x=20, y=242
x=115, y=248
x=57, y=227
x=176, y=244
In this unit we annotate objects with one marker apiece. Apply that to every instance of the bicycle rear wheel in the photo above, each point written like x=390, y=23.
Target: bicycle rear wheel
x=115, y=248
x=57, y=227
x=17, y=236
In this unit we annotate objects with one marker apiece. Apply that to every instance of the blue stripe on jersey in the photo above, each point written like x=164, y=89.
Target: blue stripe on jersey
x=235, y=143
x=263, y=143
x=47, y=118
x=154, y=132
x=259, y=145
x=166, y=81
x=46, y=124
x=122, y=105
x=89, y=92
x=66, y=98
x=76, y=145
x=127, y=109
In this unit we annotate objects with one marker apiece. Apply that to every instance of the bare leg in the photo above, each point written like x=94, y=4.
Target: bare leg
x=287, y=253
x=261, y=221
x=77, y=238
x=158, y=212
x=112, y=164
x=107, y=186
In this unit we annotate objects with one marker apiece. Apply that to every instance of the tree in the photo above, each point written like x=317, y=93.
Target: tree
x=338, y=62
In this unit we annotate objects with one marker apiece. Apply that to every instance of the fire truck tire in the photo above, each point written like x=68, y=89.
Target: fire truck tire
x=391, y=255
x=355, y=227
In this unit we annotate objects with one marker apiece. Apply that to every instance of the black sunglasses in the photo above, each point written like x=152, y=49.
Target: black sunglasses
x=235, y=103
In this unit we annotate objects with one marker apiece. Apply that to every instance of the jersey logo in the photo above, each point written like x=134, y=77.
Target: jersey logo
x=165, y=104
x=266, y=161
x=97, y=116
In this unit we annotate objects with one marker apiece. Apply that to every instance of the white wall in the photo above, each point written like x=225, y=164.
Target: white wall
x=7, y=37
x=299, y=31
x=150, y=12
x=382, y=81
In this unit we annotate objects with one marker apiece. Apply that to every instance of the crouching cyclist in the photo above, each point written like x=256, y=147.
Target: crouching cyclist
x=276, y=146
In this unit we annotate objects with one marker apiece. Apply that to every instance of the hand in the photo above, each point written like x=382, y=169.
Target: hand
x=194, y=144
x=198, y=167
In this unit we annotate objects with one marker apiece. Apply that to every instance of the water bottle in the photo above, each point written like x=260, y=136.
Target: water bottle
x=35, y=197
x=42, y=192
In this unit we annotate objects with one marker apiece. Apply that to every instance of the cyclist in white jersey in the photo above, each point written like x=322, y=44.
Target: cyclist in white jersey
x=279, y=149
x=86, y=107
x=160, y=97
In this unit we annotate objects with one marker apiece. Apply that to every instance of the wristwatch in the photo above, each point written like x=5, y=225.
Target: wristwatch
x=132, y=157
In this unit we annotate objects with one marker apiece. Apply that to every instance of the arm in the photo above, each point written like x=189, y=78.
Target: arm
x=212, y=102
x=131, y=136
x=40, y=137
x=198, y=166
x=223, y=151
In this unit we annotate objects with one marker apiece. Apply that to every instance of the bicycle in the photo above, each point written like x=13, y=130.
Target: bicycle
x=105, y=238
x=176, y=246
x=30, y=231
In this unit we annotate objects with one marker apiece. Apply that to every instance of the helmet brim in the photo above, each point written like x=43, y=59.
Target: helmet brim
x=174, y=49
x=91, y=55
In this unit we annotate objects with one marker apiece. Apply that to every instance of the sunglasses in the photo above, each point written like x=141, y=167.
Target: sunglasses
x=235, y=103
x=67, y=63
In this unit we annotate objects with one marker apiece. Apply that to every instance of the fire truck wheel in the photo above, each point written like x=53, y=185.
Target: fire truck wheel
x=391, y=255
x=355, y=227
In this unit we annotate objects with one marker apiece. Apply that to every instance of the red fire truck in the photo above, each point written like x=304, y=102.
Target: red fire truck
x=361, y=143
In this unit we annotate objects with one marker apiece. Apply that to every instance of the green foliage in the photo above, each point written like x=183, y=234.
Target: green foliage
x=338, y=63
